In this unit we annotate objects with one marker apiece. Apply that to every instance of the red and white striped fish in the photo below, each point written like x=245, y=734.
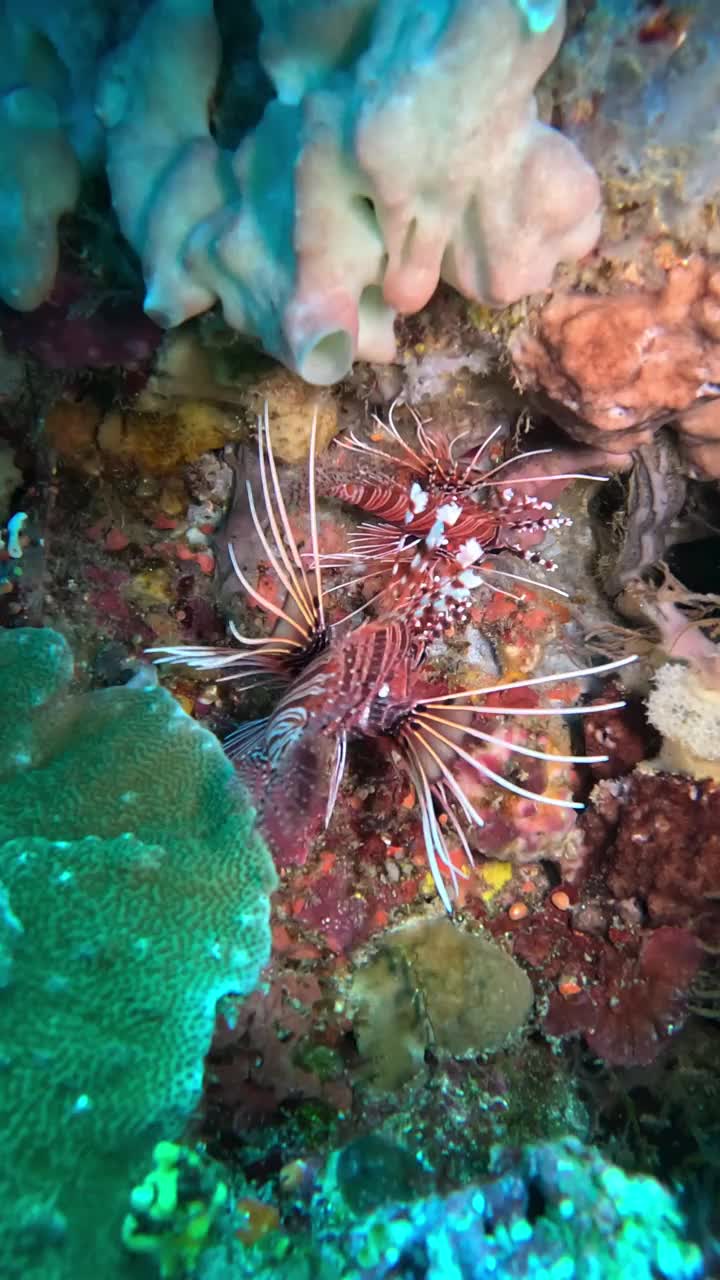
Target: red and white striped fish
x=341, y=683
x=363, y=687
x=440, y=521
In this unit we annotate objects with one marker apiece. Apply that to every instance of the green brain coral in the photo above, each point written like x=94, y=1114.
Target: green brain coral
x=133, y=895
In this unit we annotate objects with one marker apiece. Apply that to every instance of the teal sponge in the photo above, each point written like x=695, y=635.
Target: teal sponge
x=133, y=896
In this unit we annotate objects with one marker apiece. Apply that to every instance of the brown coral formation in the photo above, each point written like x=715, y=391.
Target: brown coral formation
x=162, y=442
x=432, y=986
x=661, y=840
x=155, y=442
x=614, y=368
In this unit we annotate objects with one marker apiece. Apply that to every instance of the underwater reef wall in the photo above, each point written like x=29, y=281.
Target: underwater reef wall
x=398, y=149
x=631, y=339
x=312, y=171
x=133, y=896
x=548, y=1210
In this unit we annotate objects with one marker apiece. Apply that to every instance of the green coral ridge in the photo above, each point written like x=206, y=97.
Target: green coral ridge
x=133, y=896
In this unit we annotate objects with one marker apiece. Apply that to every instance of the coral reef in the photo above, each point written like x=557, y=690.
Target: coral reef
x=338, y=685
x=658, y=840
x=393, y=1093
x=623, y=988
x=137, y=896
x=636, y=91
x=315, y=217
x=615, y=367
x=555, y=1209
x=344, y=205
x=282, y=1048
x=630, y=341
x=79, y=327
x=159, y=443
x=633, y=996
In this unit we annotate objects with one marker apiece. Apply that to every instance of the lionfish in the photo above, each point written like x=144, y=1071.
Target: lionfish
x=340, y=682
x=442, y=518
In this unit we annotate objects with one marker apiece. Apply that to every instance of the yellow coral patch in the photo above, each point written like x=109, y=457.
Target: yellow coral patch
x=162, y=442
x=495, y=876
x=152, y=586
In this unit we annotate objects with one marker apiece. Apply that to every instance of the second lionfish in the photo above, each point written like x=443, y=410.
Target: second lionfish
x=343, y=680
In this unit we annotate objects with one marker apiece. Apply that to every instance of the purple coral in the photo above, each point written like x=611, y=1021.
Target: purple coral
x=556, y=1209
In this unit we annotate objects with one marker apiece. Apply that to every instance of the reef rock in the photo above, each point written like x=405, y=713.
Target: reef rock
x=631, y=341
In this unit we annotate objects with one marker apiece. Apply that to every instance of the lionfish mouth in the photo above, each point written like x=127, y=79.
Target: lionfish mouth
x=430, y=734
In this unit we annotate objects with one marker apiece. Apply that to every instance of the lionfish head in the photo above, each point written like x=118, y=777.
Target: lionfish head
x=450, y=513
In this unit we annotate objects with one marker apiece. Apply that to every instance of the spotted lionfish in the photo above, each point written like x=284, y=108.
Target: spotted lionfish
x=441, y=521
x=360, y=679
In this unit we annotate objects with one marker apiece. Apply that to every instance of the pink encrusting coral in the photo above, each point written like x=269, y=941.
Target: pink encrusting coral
x=516, y=827
x=636, y=998
x=340, y=683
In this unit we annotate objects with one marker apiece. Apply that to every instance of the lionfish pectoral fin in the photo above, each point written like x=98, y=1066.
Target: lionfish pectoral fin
x=557, y=677
x=201, y=657
x=296, y=801
x=435, y=846
x=247, y=738
x=303, y=615
x=439, y=791
x=336, y=777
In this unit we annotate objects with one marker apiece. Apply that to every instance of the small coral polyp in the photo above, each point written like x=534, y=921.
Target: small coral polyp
x=173, y=1210
x=338, y=682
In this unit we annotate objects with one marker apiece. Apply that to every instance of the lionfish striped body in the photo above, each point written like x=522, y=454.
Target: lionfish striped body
x=295, y=763
x=440, y=520
x=341, y=683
